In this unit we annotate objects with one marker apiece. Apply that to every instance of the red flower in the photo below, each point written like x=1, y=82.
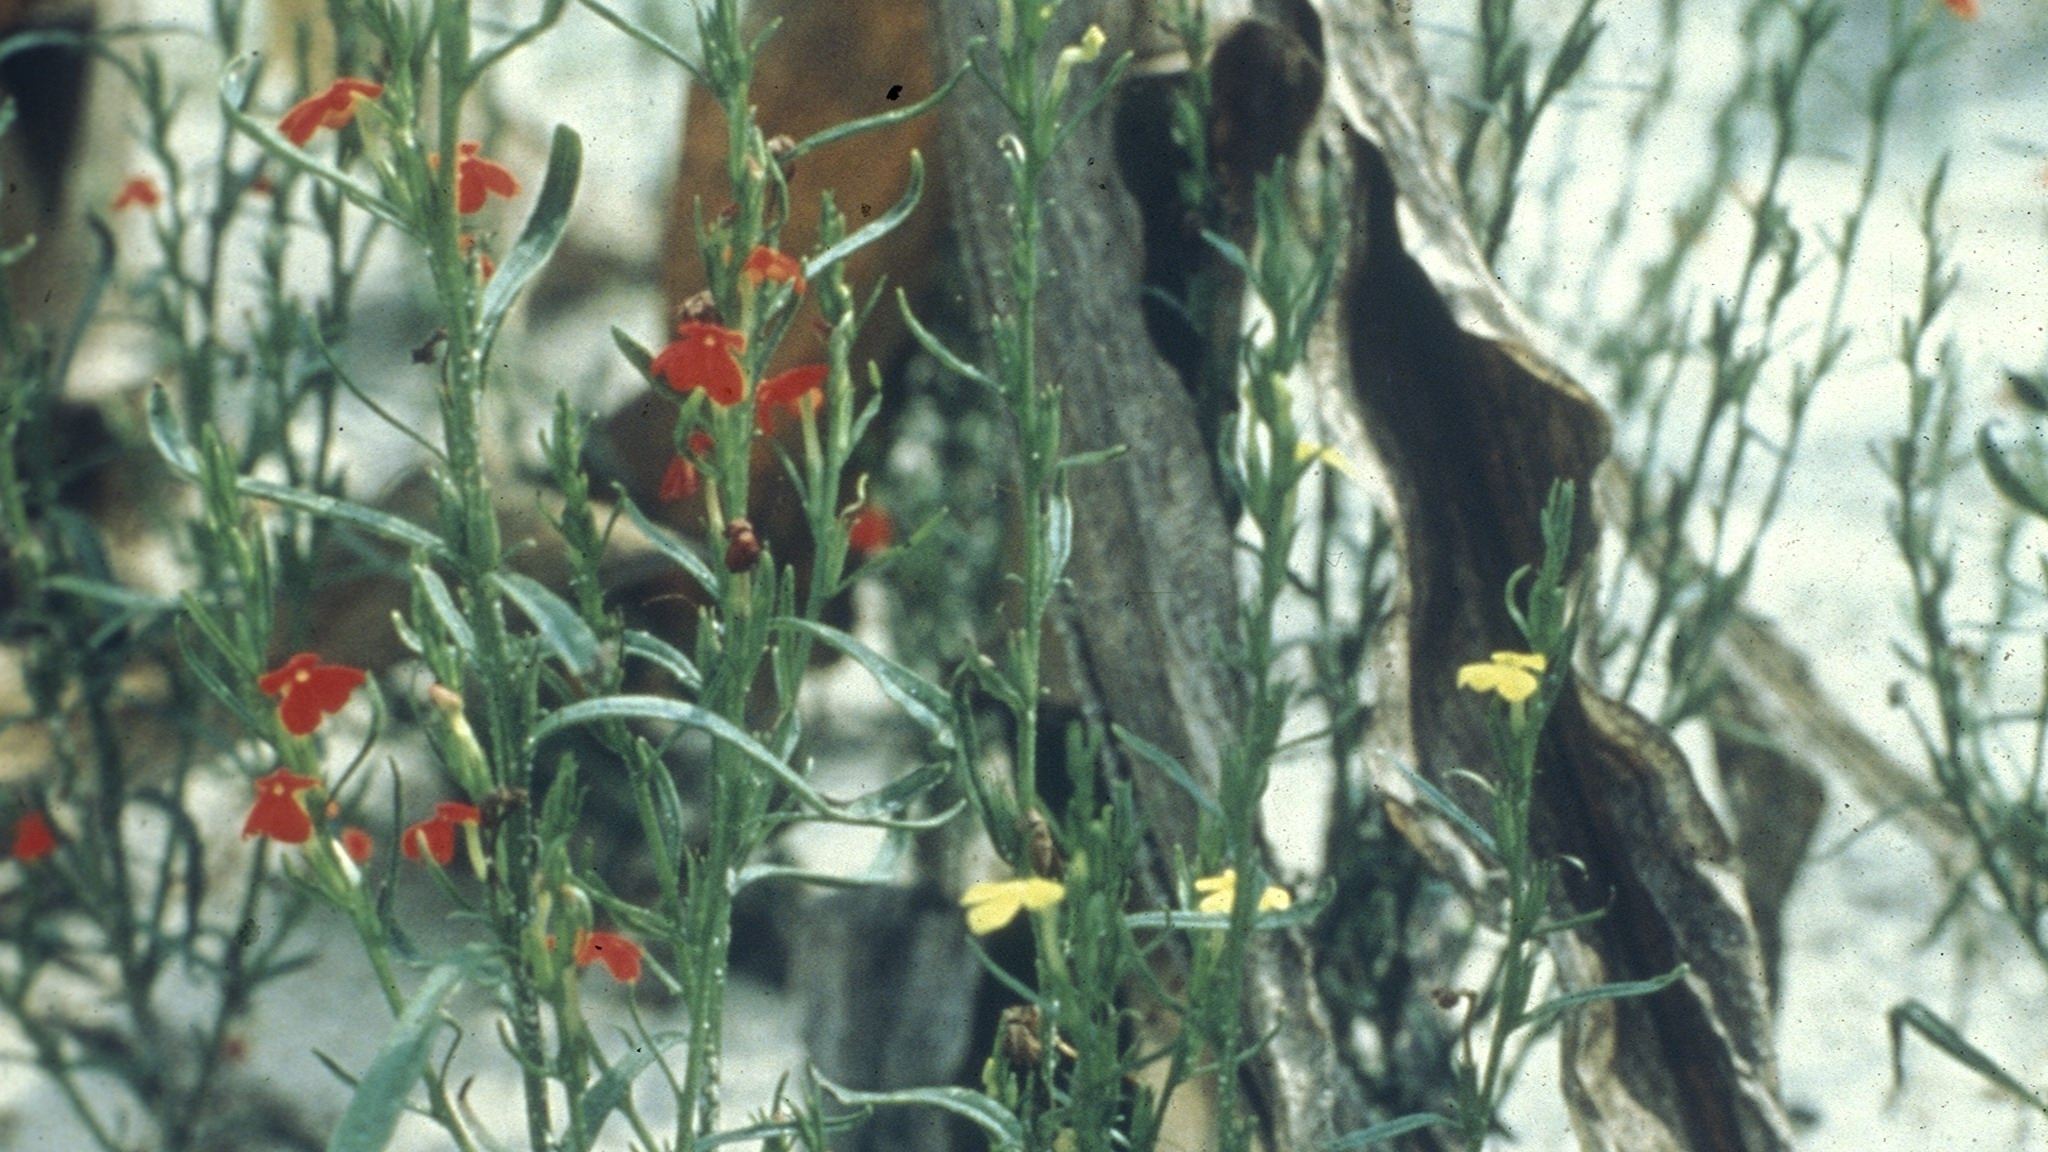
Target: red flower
x=307, y=690
x=681, y=481
x=701, y=444
x=33, y=838
x=358, y=844
x=871, y=531
x=438, y=834
x=279, y=813
x=789, y=392
x=765, y=263
x=619, y=955
x=139, y=191
x=1963, y=9
x=702, y=356
x=476, y=178
x=334, y=108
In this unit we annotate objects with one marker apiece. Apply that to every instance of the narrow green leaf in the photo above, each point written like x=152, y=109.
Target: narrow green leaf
x=1922, y=1019
x=635, y=353
x=1300, y=915
x=897, y=794
x=1159, y=758
x=2031, y=391
x=177, y=451
x=561, y=627
x=168, y=437
x=875, y=231
x=883, y=868
x=764, y=1130
x=611, y=1088
x=372, y=1113
x=1449, y=809
x=371, y=520
x=543, y=231
x=445, y=610
x=1088, y=103
x=131, y=602
x=1059, y=536
x=1551, y=1009
x=2020, y=472
x=1383, y=1132
x=202, y=670
x=668, y=545
x=839, y=132
x=664, y=656
x=927, y=704
x=1091, y=459
x=691, y=716
x=948, y=358
x=661, y=47
x=1006, y=1133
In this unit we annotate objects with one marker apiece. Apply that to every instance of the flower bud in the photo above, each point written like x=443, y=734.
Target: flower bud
x=742, y=547
x=458, y=743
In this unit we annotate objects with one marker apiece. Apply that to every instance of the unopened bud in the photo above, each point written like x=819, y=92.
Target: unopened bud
x=1039, y=845
x=458, y=743
x=742, y=547
x=780, y=146
x=699, y=308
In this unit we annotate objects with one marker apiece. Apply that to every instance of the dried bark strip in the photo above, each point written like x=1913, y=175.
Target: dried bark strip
x=1472, y=426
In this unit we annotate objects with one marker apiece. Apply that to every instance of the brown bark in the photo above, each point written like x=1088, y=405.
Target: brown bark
x=1470, y=426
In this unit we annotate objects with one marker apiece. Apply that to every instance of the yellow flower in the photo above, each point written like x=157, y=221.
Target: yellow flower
x=994, y=903
x=1219, y=894
x=1306, y=452
x=1513, y=676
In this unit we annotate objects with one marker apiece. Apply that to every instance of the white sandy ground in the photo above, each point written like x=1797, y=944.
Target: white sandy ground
x=1856, y=921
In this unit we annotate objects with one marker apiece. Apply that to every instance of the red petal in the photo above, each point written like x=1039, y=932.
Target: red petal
x=273, y=683
x=457, y=813
x=439, y=835
x=679, y=481
x=476, y=178
x=309, y=690
x=33, y=838
x=330, y=686
x=787, y=391
x=299, y=124
x=871, y=531
x=702, y=357
x=358, y=844
x=620, y=956
x=765, y=263
x=139, y=190
x=278, y=812
x=334, y=108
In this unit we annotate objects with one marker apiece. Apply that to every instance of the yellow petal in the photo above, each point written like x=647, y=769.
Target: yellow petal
x=994, y=903
x=1308, y=450
x=1037, y=893
x=1533, y=661
x=985, y=918
x=983, y=892
x=1510, y=683
x=1223, y=881
x=1276, y=899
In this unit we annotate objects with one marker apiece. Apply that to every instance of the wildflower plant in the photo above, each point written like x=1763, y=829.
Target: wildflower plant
x=1986, y=757
x=395, y=155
